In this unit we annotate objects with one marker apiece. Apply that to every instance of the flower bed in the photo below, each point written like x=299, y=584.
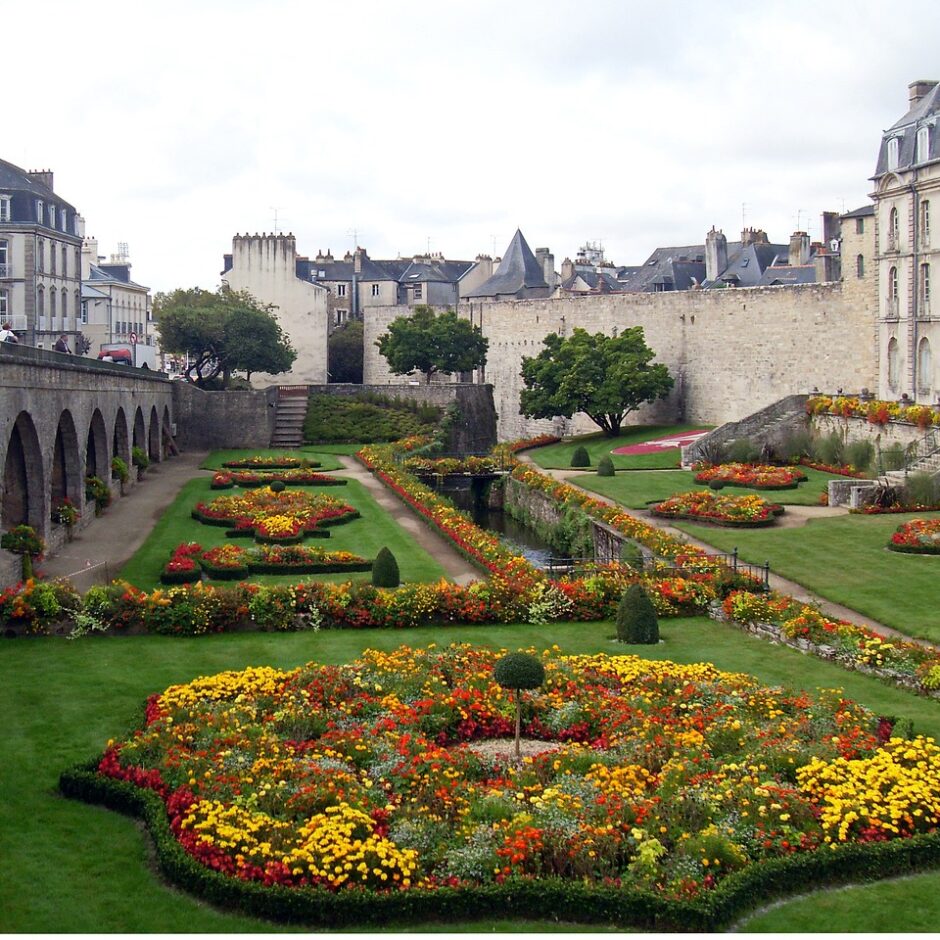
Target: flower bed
x=183, y=567
x=226, y=479
x=280, y=462
x=708, y=506
x=659, y=794
x=232, y=562
x=917, y=537
x=875, y=412
x=754, y=476
x=285, y=517
x=442, y=466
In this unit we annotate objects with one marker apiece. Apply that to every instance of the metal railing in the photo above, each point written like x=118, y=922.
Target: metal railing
x=6, y=271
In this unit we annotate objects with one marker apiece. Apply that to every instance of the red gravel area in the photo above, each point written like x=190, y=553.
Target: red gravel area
x=661, y=443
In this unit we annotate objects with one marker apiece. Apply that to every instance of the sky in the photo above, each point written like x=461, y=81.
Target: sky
x=443, y=126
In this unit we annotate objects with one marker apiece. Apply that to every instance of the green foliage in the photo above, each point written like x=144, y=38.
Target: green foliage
x=742, y=450
x=222, y=331
x=921, y=489
x=385, y=570
x=519, y=671
x=605, y=466
x=795, y=445
x=25, y=541
x=140, y=458
x=96, y=490
x=430, y=343
x=636, y=617
x=580, y=458
x=344, y=353
x=860, y=454
x=830, y=449
x=366, y=419
x=893, y=457
x=606, y=377
x=278, y=486
x=631, y=555
x=119, y=469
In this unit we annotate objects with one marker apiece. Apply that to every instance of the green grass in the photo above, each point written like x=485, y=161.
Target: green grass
x=364, y=536
x=558, y=456
x=74, y=868
x=844, y=559
x=323, y=453
x=635, y=490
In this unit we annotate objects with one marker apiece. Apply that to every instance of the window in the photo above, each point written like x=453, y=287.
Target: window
x=893, y=148
x=4, y=258
x=925, y=287
x=342, y=316
x=859, y=226
x=5, y=214
x=923, y=145
x=893, y=369
x=894, y=231
x=418, y=292
x=893, y=284
x=375, y=290
x=4, y=305
x=51, y=216
x=340, y=290
x=860, y=266
x=52, y=257
x=924, y=365
x=40, y=302
x=65, y=308
x=65, y=261
x=925, y=224
x=39, y=213
x=84, y=309
x=79, y=308
x=52, y=312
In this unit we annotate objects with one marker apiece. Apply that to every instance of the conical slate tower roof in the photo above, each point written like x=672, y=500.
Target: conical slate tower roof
x=518, y=273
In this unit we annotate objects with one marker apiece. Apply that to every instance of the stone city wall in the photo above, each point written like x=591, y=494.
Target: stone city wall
x=730, y=351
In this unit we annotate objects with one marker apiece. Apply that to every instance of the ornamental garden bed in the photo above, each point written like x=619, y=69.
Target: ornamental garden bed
x=753, y=476
x=708, y=506
x=233, y=563
x=226, y=479
x=667, y=796
x=277, y=462
x=917, y=537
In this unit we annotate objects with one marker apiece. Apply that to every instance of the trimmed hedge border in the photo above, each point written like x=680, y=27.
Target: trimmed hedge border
x=181, y=577
x=748, y=486
x=735, y=896
x=914, y=549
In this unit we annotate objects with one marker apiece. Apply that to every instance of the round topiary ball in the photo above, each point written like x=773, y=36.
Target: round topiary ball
x=278, y=486
x=605, y=466
x=519, y=671
x=385, y=570
x=580, y=457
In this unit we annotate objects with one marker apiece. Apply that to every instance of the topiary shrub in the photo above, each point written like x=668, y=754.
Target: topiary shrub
x=278, y=486
x=519, y=671
x=580, y=457
x=605, y=466
x=636, y=617
x=385, y=570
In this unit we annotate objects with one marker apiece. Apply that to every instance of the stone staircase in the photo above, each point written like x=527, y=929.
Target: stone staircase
x=923, y=458
x=290, y=416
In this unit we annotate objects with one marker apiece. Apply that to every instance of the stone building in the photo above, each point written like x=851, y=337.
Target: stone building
x=268, y=268
x=520, y=275
x=40, y=257
x=907, y=182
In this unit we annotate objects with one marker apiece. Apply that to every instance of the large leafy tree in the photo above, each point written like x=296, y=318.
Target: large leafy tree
x=430, y=343
x=223, y=331
x=606, y=377
x=344, y=352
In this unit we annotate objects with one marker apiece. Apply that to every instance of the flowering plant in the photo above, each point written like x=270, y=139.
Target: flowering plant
x=875, y=412
x=707, y=506
x=64, y=511
x=755, y=476
x=917, y=536
x=225, y=479
x=276, y=462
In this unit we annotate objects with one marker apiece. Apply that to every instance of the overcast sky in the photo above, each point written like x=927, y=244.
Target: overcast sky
x=173, y=126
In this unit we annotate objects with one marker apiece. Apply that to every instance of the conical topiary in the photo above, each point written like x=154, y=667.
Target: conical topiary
x=605, y=466
x=636, y=617
x=580, y=457
x=385, y=570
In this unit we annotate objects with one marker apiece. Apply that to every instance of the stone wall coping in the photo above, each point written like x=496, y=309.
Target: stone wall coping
x=31, y=355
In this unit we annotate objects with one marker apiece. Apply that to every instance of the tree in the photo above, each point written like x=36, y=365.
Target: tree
x=518, y=671
x=606, y=377
x=344, y=352
x=428, y=342
x=222, y=331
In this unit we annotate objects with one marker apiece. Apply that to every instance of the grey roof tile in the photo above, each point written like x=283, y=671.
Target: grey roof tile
x=518, y=271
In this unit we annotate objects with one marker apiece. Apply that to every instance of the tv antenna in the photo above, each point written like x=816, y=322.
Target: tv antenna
x=799, y=216
x=743, y=215
x=354, y=232
x=275, y=210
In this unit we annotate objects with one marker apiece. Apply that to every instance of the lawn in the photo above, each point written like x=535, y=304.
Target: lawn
x=363, y=536
x=75, y=868
x=324, y=454
x=636, y=490
x=558, y=456
x=844, y=559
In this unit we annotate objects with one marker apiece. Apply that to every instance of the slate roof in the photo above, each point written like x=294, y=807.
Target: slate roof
x=518, y=271
x=670, y=269
x=102, y=276
x=747, y=263
x=13, y=177
x=923, y=113
x=593, y=280
x=859, y=213
x=788, y=274
x=402, y=270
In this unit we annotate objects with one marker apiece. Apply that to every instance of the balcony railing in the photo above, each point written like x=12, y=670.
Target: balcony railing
x=891, y=308
x=6, y=271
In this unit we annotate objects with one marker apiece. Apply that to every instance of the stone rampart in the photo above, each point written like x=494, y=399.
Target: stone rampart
x=209, y=420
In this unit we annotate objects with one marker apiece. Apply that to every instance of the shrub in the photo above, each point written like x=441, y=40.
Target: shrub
x=795, y=445
x=893, y=457
x=743, y=450
x=830, y=450
x=636, y=617
x=580, y=457
x=139, y=458
x=385, y=570
x=119, y=470
x=23, y=540
x=860, y=454
x=519, y=671
x=96, y=490
x=278, y=486
x=920, y=489
x=605, y=466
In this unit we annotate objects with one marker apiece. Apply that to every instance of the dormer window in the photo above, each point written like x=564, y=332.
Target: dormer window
x=5, y=214
x=923, y=144
x=39, y=207
x=893, y=149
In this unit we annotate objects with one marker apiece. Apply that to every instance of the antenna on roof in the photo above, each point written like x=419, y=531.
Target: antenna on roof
x=355, y=236
x=799, y=213
x=275, y=209
x=743, y=216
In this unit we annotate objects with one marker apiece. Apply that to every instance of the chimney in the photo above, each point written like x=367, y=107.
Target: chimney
x=484, y=264
x=716, y=254
x=547, y=262
x=799, y=248
x=831, y=229
x=90, y=255
x=567, y=269
x=357, y=260
x=43, y=177
x=915, y=91
x=753, y=236
x=828, y=267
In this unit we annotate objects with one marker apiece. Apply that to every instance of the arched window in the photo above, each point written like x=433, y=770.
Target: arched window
x=925, y=288
x=894, y=231
x=52, y=307
x=892, y=303
x=65, y=308
x=925, y=224
x=893, y=364
x=893, y=149
x=860, y=266
x=40, y=301
x=924, y=365
x=923, y=144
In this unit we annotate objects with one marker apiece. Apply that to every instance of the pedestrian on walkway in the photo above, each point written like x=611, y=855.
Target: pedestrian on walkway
x=62, y=345
x=7, y=335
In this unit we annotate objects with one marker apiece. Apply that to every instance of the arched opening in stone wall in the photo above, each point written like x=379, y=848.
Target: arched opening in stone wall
x=153, y=436
x=97, y=455
x=66, y=462
x=924, y=366
x=23, y=477
x=121, y=446
x=140, y=430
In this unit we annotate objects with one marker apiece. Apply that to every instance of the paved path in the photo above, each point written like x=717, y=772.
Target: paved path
x=99, y=552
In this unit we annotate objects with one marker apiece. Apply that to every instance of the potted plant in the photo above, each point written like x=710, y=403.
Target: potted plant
x=97, y=490
x=64, y=512
x=140, y=460
x=119, y=472
x=23, y=540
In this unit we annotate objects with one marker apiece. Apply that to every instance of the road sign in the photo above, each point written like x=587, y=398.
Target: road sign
x=133, y=337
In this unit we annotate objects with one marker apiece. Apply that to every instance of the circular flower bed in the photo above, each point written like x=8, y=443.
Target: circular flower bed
x=280, y=462
x=226, y=479
x=754, y=476
x=708, y=506
x=393, y=773
x=232, y=562
x=917, y=537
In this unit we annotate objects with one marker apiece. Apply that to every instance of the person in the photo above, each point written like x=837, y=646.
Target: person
x=62, y=345
x=7, y=335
